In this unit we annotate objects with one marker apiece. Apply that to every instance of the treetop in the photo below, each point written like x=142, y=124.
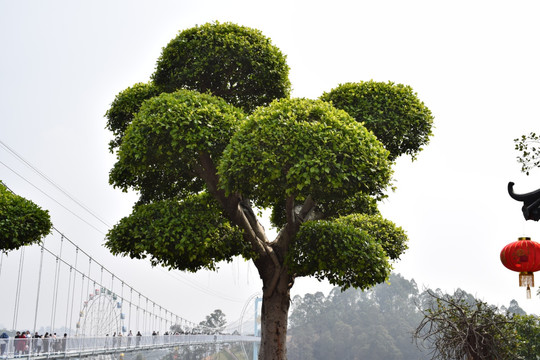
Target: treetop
x=234, y=62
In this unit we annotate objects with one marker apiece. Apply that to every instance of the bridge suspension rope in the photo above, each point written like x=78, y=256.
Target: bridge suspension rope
x=73, y=293
x=18, y=291
x=38, y=288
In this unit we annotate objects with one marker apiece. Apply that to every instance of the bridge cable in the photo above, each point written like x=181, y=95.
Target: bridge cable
x=68, y=292
x=73, y=294
x=53, y=199
x=145, y=321
x=99, y=297
x=13, y=152
x=38, y=287
x=18, y=291
x=130, y=299
x=78, y=325
x=56, y=283
x=122, y=314
x=88, y=282
x=138, y=307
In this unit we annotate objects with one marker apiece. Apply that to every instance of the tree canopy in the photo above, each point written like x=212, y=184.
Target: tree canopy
x=214, y=138
x=22, y=222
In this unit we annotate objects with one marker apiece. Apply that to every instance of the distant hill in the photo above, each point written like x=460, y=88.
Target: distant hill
x=369, y=325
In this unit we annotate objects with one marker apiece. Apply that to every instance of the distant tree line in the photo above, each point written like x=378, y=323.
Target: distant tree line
x=397, y=321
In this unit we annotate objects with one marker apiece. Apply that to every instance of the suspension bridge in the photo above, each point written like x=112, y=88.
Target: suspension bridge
x=59, y=301
x=65, y=304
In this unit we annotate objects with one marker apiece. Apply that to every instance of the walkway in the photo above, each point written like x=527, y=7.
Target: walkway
x=85, y=347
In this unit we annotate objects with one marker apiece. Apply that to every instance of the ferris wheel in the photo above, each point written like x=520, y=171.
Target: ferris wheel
x=101, y=314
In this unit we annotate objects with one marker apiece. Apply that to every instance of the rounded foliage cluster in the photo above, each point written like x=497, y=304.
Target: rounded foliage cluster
x=392, y=238
x=124, y=107
x=300, y=148
x=350, y=251
x=161, y=147
x=392, y=111
x=343, y=254
x=186, y=235
x=21, y=221
x=234, y=62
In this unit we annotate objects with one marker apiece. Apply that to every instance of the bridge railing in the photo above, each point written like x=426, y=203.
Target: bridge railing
x=86, y=346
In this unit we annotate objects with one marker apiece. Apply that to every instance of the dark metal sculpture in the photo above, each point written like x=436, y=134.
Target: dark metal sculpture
x=531, y=202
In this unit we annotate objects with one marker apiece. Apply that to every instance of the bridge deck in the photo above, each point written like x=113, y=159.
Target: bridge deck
x=79, y=347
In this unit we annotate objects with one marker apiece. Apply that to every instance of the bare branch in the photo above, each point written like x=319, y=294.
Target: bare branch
x=456, y=327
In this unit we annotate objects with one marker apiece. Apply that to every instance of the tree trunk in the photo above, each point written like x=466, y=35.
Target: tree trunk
x=274, y=317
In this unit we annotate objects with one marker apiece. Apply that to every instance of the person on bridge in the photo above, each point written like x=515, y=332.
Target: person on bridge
x=139, y=336
x=130, y=335
x=64, y=343
x=20, y=344
x=28, y=341
x=46, y=339
x=39, y=344
x=54, y=343
x=4, y=338
x=36, y=343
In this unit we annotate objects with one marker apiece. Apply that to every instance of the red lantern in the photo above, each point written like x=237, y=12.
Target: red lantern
x=523, y=256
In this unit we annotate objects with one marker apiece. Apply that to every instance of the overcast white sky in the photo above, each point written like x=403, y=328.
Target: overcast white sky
x=475, y=64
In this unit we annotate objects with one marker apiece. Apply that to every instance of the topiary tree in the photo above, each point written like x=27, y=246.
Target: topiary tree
x=204, y=165
x=21, y=221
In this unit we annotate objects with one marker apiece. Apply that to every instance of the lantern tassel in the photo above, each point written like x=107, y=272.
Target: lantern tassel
x=526, y=278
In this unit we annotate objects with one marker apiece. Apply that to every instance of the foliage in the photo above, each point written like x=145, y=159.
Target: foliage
x=454, y=327
x=392, y=111
x=357, y=260
x=393, y=239
x=190, y=234
x=234, y=62
x=21, y=221
x=360, y=244
x=527, y=328
x=301, y=148
x=529, y=147
x=124, y=107
x=160, y=151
